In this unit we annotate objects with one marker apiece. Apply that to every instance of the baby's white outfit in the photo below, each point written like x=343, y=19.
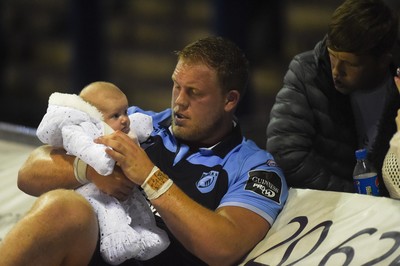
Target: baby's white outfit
x=391, y=167
x=127, y=229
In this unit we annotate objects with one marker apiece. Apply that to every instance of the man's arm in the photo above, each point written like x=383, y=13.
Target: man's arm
x=49, y=168
x=220, y=237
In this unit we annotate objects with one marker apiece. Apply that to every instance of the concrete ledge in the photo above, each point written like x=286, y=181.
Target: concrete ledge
x=19, y=134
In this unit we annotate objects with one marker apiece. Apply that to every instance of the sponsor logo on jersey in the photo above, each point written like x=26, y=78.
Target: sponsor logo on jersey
x=207, y=181
x=264, y=183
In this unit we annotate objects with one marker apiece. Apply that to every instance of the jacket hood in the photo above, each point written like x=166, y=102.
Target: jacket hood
x=76, y=102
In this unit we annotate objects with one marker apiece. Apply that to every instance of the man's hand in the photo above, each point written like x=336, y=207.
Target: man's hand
x=132, y=159
x=116, y=184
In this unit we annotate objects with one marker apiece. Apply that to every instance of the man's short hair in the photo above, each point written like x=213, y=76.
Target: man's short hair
x=222, y=55
x=363, y=27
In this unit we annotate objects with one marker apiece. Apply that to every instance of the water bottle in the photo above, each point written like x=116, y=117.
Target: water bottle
x=365, y=176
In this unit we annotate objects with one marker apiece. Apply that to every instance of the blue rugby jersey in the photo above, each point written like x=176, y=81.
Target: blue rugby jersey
x=235, y=172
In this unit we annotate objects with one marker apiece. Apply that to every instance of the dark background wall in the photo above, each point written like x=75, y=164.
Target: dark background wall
x=49, y=46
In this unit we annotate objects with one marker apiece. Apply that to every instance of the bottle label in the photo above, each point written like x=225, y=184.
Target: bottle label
x=367, y=185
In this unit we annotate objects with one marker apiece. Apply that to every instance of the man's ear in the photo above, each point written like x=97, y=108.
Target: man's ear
x=232, y=99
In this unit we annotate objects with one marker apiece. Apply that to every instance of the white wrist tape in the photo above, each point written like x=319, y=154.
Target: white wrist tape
x=80, y=171
x=156, y=183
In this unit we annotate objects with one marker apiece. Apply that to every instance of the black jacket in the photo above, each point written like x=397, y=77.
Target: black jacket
x=312, y=132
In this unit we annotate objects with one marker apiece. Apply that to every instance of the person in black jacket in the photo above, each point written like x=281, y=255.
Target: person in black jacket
x=338, y=98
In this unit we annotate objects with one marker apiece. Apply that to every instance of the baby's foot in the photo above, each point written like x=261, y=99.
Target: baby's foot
x=118, y=241
x=154, y=241
x=120, y=246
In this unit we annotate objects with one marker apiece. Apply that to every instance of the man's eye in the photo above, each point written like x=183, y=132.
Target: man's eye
x=352, y=64
x=194, y=92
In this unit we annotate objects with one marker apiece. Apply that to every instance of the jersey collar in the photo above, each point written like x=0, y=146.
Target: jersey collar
x=220, y=149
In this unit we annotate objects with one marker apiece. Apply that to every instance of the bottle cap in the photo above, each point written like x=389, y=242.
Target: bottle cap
x=361, y=154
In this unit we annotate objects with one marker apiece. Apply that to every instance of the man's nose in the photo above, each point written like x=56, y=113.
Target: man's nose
x=337, y=69
x=181, y=99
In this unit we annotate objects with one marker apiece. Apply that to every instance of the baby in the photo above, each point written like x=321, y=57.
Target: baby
x=127, y=229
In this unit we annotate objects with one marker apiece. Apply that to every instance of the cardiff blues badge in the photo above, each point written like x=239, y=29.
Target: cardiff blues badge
x=207, y=181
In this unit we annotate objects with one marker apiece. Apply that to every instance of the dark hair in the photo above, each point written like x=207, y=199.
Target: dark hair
x=222, y=55
x=363, y=27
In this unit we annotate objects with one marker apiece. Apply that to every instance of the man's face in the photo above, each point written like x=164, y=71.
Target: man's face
x=197, y=103
x=352, y=72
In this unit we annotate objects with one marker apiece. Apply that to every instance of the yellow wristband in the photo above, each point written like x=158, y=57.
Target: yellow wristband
x=80, y=171
x=156, y=183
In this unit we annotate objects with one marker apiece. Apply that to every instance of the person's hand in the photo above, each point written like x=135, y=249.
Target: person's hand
x=132, y=159
x=398, y=120
x=397, y=82
x=116, y=184
x=397, y=79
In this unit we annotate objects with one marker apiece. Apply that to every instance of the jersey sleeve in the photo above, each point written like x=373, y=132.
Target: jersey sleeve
x=259, y=186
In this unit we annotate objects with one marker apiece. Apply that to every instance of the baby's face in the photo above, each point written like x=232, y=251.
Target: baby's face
x=115, y=113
